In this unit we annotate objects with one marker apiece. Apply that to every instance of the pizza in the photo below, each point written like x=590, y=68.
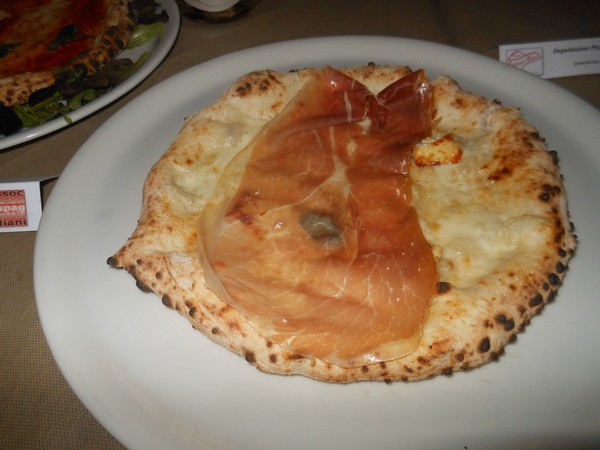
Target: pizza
x=37, y=38
x=354, y=224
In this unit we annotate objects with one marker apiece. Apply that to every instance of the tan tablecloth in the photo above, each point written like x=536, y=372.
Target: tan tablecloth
x=37, y=407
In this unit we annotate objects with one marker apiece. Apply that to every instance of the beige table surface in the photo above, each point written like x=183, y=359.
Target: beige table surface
x=37, y=407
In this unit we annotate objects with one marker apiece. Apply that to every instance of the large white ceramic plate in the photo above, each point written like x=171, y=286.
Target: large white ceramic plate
x=154, y=382
x=158, y=48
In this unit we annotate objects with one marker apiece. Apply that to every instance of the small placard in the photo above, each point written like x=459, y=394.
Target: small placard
x=554, y=59
x=21, y=204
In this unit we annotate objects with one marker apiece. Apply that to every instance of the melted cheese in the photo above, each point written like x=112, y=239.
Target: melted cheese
x=476, y=225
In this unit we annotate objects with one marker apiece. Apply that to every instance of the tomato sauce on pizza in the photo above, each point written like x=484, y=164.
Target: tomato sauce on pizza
x=42, y=35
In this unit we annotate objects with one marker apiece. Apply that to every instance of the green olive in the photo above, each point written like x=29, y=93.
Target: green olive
x=321, y=227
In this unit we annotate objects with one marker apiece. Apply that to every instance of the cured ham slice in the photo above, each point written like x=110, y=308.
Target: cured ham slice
x=310, y=232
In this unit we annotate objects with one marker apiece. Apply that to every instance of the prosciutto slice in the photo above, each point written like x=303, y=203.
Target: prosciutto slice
x=310, y=232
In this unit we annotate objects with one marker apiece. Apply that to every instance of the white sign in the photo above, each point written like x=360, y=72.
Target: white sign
x=21, y=204
x=554, y=59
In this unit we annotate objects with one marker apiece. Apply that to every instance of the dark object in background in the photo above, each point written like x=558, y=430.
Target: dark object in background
x=216, y=11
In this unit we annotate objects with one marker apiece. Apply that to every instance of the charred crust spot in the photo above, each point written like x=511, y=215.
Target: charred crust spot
x=554, y=279
x=460, y=357
x=423, y=360
x=560, y=267
x=142, y=287
x=458, y=103
x=408, y=369
x=488, y=324
x=249, y=356
x=119, y=43
x=508, y=324
x=382, y=364
x=512, y=338
x=192, y=311
x=485, y=345
x=500, y=173
x=243, y=89
x=364, y=369
x=549, y=191
x=537, y=300
x=273, y=78
x=214, y=330
x=158, y=275
x=389, y=381
x=138, y=262
x=447, y=371
x=294, y=356
x=442, y=287
x=494, y=356
x=273, y=358
x=166, y=300
x=111, y=261
x=551, y=296
x=266, y=83
x=546, y=286
x=269, y=344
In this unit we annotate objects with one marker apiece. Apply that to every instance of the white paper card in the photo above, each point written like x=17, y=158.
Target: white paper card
x=21, y=204
x=555, y=59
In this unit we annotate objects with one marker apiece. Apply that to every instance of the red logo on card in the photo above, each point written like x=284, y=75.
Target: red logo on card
x=529, y=59
x=13, y=208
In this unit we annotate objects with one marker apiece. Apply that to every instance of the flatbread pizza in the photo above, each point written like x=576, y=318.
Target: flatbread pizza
x=38, y=38
x=58, y=55
x=354, y=224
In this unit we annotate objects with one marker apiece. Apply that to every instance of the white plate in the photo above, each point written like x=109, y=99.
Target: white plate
x=159, y=49
x=154, y=382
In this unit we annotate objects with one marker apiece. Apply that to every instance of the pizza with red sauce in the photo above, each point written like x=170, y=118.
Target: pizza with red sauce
x=354, y=224
x=40, y=37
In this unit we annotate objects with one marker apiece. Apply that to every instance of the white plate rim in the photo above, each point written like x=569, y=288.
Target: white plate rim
x=160, y=48
x=334, y=50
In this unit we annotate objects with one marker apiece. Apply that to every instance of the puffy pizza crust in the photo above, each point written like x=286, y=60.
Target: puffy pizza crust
x=497, y=220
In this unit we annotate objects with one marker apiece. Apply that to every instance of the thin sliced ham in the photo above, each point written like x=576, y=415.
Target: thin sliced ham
x=310, y=232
